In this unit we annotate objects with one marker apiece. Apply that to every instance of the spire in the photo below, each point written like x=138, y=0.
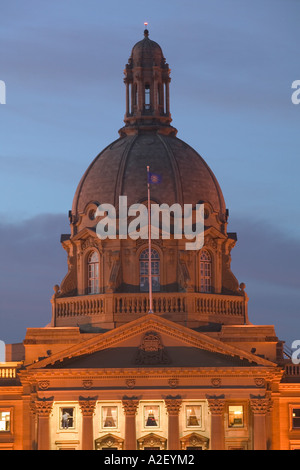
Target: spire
x=146, y=32
x=147, y=79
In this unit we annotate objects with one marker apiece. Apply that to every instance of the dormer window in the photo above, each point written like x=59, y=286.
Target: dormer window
x=205, y=271
x=147, y=97
x=93, y=273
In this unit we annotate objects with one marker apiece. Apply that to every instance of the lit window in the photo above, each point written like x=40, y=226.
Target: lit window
x=235, y=416
x=93, y=273
x=205, y=271
x=144, y=271
x=109, y=417
x=67, y=418
x=296, y=418
x=193, y=416
x=151, y=416
x=4, y=421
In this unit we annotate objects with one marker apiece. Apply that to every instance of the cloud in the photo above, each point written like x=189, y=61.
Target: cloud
x=32, y=262
x=265, y=253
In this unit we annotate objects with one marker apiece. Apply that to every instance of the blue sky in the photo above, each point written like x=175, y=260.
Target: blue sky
x=232, y=66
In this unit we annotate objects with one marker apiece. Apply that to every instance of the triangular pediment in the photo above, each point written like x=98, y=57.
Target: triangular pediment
x=151, y=341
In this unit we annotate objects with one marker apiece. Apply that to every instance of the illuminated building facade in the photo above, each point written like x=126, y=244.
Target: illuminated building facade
x=193, y=373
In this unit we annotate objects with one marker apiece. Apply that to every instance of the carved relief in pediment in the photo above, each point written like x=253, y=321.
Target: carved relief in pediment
x=151, y=351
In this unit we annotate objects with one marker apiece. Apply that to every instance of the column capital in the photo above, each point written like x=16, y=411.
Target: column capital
x=173, y=404
x=43, y=406
x=87, y=405
x=260, y=404
x=130, y=405
x=216, y=404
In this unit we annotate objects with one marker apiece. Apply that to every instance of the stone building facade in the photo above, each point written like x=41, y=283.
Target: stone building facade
x=108, y=372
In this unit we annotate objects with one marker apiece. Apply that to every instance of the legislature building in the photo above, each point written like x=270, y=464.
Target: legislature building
x=118, y=367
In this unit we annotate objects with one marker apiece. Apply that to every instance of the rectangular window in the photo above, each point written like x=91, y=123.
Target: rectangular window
x=109, y=417
x=193, y=416
x=151, y=416
x=296, y=418
x=4, y=421
x=236, y=416
x=67, y=418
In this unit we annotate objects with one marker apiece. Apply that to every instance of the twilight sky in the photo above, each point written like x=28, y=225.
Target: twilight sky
x=232, y=66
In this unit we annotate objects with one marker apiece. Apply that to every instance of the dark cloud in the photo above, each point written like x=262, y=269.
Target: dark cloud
x=32, y=262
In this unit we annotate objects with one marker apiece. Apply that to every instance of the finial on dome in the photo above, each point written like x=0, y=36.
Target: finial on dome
x=146, y=32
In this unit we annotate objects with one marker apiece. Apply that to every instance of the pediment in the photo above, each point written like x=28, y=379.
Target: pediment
x=151, y=341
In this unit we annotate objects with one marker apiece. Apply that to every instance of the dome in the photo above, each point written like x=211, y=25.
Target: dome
x=121, y=169
x=146, y=52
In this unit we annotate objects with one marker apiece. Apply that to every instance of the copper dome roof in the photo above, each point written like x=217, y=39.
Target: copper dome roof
x=121, y=169
x=146, y=53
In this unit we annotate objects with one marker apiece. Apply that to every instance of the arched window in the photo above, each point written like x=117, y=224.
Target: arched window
x=144, y=271
x=93, y=273
x=147, y=97
x=205, y=271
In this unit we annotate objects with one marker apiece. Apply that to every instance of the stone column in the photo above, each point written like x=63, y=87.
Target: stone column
x=87, y=406
x=43, y=409
x=130, y=406
x=168, y=96
x=216, y=408
x=33, y=426
x=259, y=406
x=173, y=405
x=127, y=97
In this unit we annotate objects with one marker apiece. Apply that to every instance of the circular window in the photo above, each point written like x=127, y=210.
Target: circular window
x=92, y=214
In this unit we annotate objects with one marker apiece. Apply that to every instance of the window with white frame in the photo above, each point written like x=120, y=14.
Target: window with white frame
x=296, y=418
x=93, y=273
x=193, y=416
x=109, y=417
x=67, y=418
x=235, y=416
x=205, y=271
x=5, y=420
x=151, y=416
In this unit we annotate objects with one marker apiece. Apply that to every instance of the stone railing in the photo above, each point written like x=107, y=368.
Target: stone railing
x=139, y=303
x=292, y=370
x=219, y=304
x=8, y=371
x=195, y=305
x=80, y=306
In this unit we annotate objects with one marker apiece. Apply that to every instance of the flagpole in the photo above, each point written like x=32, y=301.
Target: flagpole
x=149, y=242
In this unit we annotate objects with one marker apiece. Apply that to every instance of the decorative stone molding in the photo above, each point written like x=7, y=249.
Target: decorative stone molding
x=130, y=383
x=108, y=441
x=43, y=406
x=259, y=382
x=260, y=404
x=152, y=440
x=173, y=404
x=32, y=407
x=43, y=385
x=194, y=440
x=87, y=384
x=216, y=382
x=173, y=382
x=87, y=405
x=151, y=350
x=89, y=243
x=130, y=405
x=216, y=404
